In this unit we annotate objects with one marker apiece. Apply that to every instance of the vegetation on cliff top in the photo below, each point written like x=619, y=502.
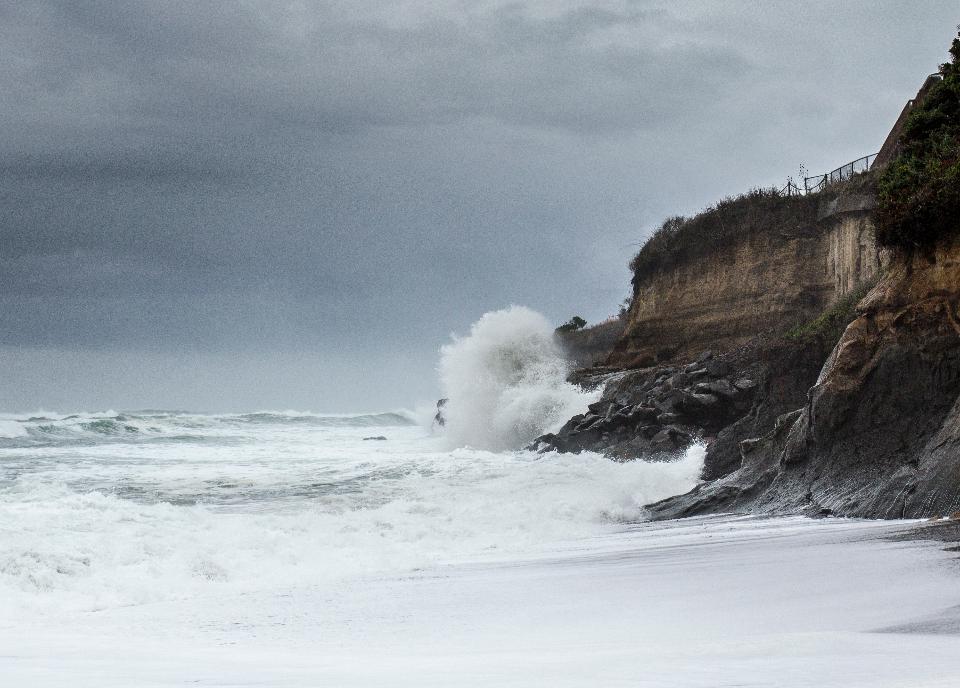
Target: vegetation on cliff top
x=680, y=239
x=575, y=323
x=919, y=192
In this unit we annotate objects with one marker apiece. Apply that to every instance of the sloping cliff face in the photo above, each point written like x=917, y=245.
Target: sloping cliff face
x=879, y=436
x=779, y=272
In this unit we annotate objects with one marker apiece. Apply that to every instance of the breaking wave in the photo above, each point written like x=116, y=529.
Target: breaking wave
x=506, y=382
x=166, y=425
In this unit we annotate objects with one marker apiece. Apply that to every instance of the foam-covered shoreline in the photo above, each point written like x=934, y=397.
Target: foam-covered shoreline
x=697, y=603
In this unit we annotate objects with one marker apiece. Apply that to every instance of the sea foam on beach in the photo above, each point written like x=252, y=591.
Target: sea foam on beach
x=281, y=548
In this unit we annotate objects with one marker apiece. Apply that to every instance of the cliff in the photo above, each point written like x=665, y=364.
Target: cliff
x=879, y=434
x=867, y=426
x=761, y=263
x=812, y=343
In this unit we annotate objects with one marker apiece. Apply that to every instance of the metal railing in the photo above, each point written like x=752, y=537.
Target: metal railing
x=821, y=181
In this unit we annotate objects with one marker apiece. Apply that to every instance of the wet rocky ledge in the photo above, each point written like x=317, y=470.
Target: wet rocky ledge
x=655, y=412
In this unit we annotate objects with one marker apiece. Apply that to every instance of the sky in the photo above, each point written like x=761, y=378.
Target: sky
x=275, y=205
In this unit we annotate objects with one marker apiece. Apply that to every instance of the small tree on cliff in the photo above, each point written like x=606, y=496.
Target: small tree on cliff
x=575, y=323
x=919, y=192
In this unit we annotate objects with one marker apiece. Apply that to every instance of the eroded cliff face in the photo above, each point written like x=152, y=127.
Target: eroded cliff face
x=879, y=435
x=852, y=256
x=766, y=282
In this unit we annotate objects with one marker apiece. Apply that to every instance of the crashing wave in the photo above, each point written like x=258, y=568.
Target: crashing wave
x=506, y=382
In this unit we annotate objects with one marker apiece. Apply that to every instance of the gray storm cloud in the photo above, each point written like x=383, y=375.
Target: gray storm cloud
x=232, y=205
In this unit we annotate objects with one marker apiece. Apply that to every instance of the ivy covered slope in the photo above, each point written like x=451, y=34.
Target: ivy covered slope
x=919, y=193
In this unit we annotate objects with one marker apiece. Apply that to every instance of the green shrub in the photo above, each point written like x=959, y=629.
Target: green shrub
x=829, y=325
x=918, y=202
x=575, y=323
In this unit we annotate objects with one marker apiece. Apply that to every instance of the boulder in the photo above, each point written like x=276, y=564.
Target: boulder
x=671, y=437
x=721, y=388
x=705, y=399
x=717, y=368
x=644, y=413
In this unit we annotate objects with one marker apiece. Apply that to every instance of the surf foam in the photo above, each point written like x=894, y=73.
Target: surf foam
x=506, y=382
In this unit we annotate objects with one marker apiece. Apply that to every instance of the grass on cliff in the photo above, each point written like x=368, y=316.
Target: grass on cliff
x=918, y=203
x=680, y=239
x=829, y=325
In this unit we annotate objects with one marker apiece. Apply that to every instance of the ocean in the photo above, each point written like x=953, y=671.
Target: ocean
x=285, y=548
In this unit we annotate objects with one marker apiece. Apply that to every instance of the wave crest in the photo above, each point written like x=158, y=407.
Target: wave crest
x=506, y=381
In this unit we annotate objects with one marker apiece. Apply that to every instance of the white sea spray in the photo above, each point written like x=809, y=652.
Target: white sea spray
x=506, y=382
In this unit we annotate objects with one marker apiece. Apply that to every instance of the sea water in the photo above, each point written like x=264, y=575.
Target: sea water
x=284, y=548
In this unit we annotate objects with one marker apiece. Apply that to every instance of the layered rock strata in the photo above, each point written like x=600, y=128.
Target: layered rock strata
x=768, y=280
x=879, y=433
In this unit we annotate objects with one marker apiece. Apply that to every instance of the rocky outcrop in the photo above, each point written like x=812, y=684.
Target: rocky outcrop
x=657, y=411
x=879, y=433
x=718, y=400
x=784, y=368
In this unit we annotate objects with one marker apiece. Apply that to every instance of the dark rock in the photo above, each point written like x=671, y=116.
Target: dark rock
x=878, y=435
x=720, y=388
x=377, y=437
x=786, y=421
x=717, y=368
x=749, y=445
x=671, y=402
x=586, y=423
x=723, y=454
x=648, y=431
x=644, y=413
x=439, y=418
x=704, y=356
x=670, y=437
x=543, y=443
x=637, y=405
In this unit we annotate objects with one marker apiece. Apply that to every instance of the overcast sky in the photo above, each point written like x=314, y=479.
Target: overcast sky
x=222, y=206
